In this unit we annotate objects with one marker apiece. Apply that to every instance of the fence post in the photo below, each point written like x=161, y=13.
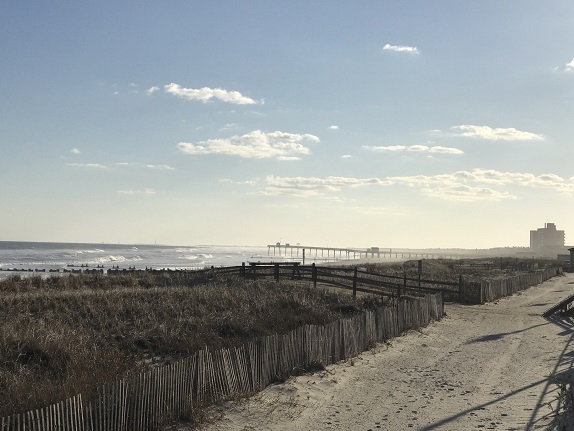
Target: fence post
x=242, y=269
x=276, y=271
x=355, y=283
x=314, y=274
x=460, y=289
x=404, y=285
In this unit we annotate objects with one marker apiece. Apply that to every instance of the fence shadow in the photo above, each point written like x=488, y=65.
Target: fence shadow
x=557, y=388
x=501, y=335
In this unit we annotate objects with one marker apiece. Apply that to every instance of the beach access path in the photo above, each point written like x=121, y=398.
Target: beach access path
x=481, y=367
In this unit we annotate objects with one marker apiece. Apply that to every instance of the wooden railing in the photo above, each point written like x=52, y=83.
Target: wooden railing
x=360, y=280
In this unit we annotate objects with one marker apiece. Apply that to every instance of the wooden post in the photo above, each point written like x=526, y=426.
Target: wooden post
x=460, y=289
x=404, y=284
x=314, y=274
x=243, y=269
x=276, y=272
x=420, y=271
x=355, y=283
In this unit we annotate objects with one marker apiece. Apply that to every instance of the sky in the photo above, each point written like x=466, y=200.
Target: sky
x=416, y=124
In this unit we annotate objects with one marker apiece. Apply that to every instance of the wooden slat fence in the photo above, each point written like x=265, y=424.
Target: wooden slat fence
x=169, y=393
x=492, y=290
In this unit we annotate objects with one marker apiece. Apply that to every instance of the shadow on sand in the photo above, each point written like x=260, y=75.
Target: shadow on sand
x=558, y=387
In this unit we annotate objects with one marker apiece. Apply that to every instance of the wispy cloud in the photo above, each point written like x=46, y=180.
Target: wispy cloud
x=75, y=151
x=87, y=165
x=159, y=167
x=255, y=145
x=497, y=134
x=312, y=186
x=414, y=148
x=334, y=127
x=401, y=48
x=152, y=90
x=346, y=156
x=131, y=192
x=478, y=185
x=464, y=193
x=229, y=126
x=145, y=166
x=206, y=94
x=568, y=67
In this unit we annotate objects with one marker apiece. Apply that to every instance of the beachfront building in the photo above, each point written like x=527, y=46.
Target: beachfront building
x=547, y=241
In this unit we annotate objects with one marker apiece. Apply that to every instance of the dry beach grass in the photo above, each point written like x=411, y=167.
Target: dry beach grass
x=67, y=336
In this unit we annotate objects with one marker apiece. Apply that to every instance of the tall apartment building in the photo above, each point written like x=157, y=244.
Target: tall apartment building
x=547, y=241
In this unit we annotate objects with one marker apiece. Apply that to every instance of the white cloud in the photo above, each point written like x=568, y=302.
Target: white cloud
x=385, y=149
x=75, y=151
x=401, y=48
x=445, y=150
x=87, y=165
x=497, y=134
x=205, y=94
x=346, y=156
x=254, y=145
x=415, y=148
x=478, y=185
x=464, y=193
x=418, y=148
x=570, y=66
x=146, y=166
x=334, y=127
x=152, y=90
x=159, y=167
x=313, y=186
x=144, y=192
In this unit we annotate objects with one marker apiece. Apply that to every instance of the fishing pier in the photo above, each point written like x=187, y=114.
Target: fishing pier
x=290, y=251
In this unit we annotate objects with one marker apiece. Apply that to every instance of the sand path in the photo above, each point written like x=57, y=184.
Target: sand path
x=481, y=367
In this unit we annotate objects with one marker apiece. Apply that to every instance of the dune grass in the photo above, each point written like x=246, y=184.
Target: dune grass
x=68, y=336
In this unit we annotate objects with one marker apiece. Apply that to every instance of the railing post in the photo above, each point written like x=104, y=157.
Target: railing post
x=355, y=283
x=276, y=271
x=314, y=274
x=242, y=273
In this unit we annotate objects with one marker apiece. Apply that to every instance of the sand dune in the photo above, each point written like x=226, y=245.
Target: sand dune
x=481, y=367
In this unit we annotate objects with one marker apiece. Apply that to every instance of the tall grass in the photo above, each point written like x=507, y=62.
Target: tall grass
x=60, y=337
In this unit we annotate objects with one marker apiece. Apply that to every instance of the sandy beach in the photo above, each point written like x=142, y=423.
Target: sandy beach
x=481, y=367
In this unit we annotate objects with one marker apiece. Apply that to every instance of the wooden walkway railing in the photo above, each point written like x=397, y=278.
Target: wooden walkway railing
x=360, y=280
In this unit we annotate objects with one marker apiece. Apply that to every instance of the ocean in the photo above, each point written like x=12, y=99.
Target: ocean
x=35, y=256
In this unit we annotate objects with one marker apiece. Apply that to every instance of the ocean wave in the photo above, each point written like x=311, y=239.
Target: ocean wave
x=114, y=259
x=185, y=250
x=196, y=256
x=96, y=250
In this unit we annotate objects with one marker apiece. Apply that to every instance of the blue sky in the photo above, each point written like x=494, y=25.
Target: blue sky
x=376, y=123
